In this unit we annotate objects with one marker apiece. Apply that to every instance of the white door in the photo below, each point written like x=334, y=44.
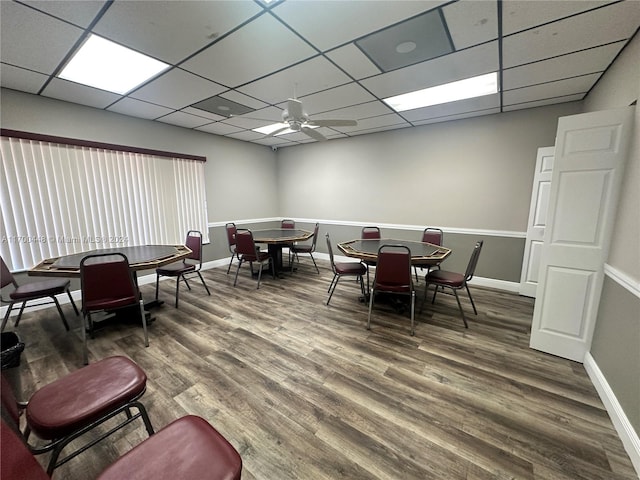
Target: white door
x=537, y=221
x=590, y=154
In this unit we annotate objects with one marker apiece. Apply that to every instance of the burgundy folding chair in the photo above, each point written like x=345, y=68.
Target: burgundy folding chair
x=190, y=265
x=108, y=284
x=33, y=291
x=68, y=408
x=187, y=448
x=248, y=252
x=231, y=229
x=432, y=235
x=345, y=269
x=306, y=248
x=393, y=275
x=286, y=223
x=369, y=233
x=455, y=281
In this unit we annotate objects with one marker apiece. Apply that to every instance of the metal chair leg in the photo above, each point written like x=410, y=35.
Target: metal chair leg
x=237, y=271
x=204, y=284
x=470, y=298
x=64, y=320
x=455, y=292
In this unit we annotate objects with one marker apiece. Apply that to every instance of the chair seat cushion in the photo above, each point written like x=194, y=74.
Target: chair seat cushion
x=443, y=277
x=174, y=269
x=109, y=304
x=350, y=268
x=83, y=396
x=43, y=288
x=302, y=248
x=392, y=288
x=188, y=448
x=259, y=257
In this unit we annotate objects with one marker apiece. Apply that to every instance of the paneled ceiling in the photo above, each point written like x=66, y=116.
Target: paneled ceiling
x=340, y=58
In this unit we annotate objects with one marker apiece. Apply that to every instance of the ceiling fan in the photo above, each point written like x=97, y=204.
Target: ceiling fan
x=298, y=121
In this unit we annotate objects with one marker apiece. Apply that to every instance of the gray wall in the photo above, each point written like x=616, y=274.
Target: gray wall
x=475, y=173
x=616, y=339
x=471, y=177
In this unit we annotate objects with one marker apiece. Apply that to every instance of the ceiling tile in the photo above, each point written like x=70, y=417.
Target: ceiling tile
x=184, y=120
x=76, y=93
x=302, y=79
x=459, y=116
x=243, y=99
x=541, y=103
x=456, y=66
x=170, y=30
x=520, y=15
x=176, y=89
x=261, y=47
x=219, y=128
x=138, y=108
x=246, y=135
x=21, y=79
x=471, y=22
x=571, y=65
x=348, y=20
x=365, y=110
x=47, y=43
x=374, y=122
x=203, y=114
x=544, y=91
x=351, y=59
x=609, y=24
x=339, y=97
x=79, y=13
x=453, y=108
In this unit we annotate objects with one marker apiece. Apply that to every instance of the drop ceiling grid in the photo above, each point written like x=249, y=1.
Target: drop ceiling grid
x=552, y=52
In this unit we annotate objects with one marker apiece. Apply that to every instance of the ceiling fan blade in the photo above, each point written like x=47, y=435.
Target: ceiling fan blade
x=280, y=130
x=313, y=134
x=294, y=108
x=333, y=123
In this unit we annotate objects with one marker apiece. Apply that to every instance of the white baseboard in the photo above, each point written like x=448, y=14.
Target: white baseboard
x=625, y=430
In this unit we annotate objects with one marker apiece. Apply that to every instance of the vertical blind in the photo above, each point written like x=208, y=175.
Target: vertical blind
x=59, y=199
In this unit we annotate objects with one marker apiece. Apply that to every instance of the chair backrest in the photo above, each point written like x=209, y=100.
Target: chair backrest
x=245, y=245
x=370, y=233
x=286, y=223
x=433, y=235
x=194, y=243
x=231, y=235
x=316, y=229
x=393, y=268
x=16, y=460
x=473, y=261
x=6, y=277
x=106, y=276
x=330, y=249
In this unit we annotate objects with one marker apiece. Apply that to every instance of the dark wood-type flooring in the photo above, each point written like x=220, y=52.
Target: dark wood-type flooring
x=304, y=391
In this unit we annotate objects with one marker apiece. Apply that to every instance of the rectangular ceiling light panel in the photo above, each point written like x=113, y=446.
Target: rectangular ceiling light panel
x=449, y=92
x=103, y=64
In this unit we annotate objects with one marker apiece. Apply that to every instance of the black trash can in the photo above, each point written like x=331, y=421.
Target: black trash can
x=12, y=349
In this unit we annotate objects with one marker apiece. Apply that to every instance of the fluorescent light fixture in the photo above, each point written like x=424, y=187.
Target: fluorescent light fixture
x=102, y=64
x=449, y=92
x=269, y=129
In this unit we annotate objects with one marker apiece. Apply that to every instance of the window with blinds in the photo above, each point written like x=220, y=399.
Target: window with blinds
x=58, y=199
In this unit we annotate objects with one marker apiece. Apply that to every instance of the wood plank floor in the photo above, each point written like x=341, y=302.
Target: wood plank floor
x=304, y=391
